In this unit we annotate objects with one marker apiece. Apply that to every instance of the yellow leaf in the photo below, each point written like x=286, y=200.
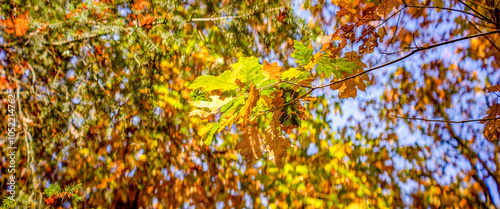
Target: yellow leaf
x=330, y=38
x=356, y=206
x=313, y=61
x=253, y=97
x=200, y=113
x=205, y=128
x=214, y=106
x=226, y=121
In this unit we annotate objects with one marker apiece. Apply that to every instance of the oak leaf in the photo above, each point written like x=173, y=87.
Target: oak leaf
x=247, y=70
x=271, y=70
x=250, y=145
x=492, y=127
x=302, y=54
x=348, y=88
x=213, y=106
x=253, y=97
x=225, y=81
x=276, y=144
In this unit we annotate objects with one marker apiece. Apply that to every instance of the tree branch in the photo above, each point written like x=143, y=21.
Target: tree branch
x=233, y=16
x=488, y=20
x=450, y=9
x=448, y=121
x=406, y=56
x=380, y=66
x=160, y=21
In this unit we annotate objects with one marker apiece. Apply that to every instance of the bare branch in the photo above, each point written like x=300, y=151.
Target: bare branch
x=450, y=9
x=448, y=121
x=488, y=20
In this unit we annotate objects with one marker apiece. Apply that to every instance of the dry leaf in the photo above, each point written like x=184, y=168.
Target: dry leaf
x=250, y=145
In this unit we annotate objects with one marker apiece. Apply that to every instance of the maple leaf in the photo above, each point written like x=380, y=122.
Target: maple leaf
x=276, y=144
x=348, y=88
x=302, y=54
x=225, y=81
x=492, y=127
x=271, y=71
x=213, y=106
x=247, y=70
x=246, y=111
x=250, y=145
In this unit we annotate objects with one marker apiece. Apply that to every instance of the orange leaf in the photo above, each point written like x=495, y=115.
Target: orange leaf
x=18, y=25
x=141, y=4
x=271, y=71
x=49, y=201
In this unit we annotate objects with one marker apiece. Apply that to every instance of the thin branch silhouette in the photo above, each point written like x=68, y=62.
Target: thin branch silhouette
x=447, y=121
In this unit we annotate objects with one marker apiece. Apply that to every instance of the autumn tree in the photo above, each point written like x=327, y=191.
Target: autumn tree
x=369, y=104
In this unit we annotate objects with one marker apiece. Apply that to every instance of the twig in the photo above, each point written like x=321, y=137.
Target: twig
x=232, y=16
x=448, y=121
x=296, y=84
x=488, y=20
x=491, y=42
x=450, y=9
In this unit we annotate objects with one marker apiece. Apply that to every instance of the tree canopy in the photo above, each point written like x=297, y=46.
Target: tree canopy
x=280, y=104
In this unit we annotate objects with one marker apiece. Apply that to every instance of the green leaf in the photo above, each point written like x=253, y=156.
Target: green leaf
x=302, y=54
x=229, y=107
x=224, y=81
x=329, y=66
x=211, y=134
x=294, y=73
x=248, y=70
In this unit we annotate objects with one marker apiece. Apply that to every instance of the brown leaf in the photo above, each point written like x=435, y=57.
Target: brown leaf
x=276, y=144
x=250, y=145
x=492, y=89
x=492, y=127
